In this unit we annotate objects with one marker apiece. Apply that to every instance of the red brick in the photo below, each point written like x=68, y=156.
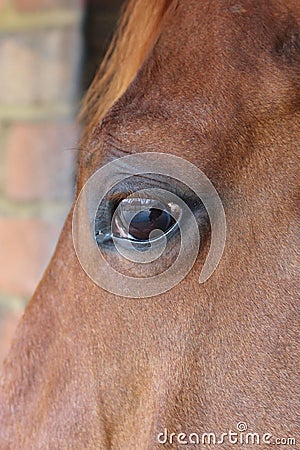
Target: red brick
x=26, y=246
x=39, y=67
x=8, y=325
x=34, y=5
x=40, y=161
x=2, y=153
x=3, y=4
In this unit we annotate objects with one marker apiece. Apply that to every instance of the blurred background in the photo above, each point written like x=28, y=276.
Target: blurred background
x=49, y=53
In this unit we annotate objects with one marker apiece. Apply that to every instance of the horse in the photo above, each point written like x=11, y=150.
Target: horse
x=215, y=83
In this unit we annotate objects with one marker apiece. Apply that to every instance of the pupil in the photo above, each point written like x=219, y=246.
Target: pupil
x=148, y=220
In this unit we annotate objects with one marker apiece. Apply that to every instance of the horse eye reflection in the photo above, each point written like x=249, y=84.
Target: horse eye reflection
x=137, y=218
x=141, y=221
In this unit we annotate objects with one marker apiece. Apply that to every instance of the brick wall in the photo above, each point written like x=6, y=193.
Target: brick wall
x=40, y=48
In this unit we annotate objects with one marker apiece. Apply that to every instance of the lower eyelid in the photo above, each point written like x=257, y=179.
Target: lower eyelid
x=106, y=240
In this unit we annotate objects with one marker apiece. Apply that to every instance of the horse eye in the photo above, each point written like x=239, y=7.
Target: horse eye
x=136, y=218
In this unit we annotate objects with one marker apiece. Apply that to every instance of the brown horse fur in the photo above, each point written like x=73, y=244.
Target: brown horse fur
x=216, y=82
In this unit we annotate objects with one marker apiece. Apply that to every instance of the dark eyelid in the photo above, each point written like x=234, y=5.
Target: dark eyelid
x=117, y=197
x=127, y=187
